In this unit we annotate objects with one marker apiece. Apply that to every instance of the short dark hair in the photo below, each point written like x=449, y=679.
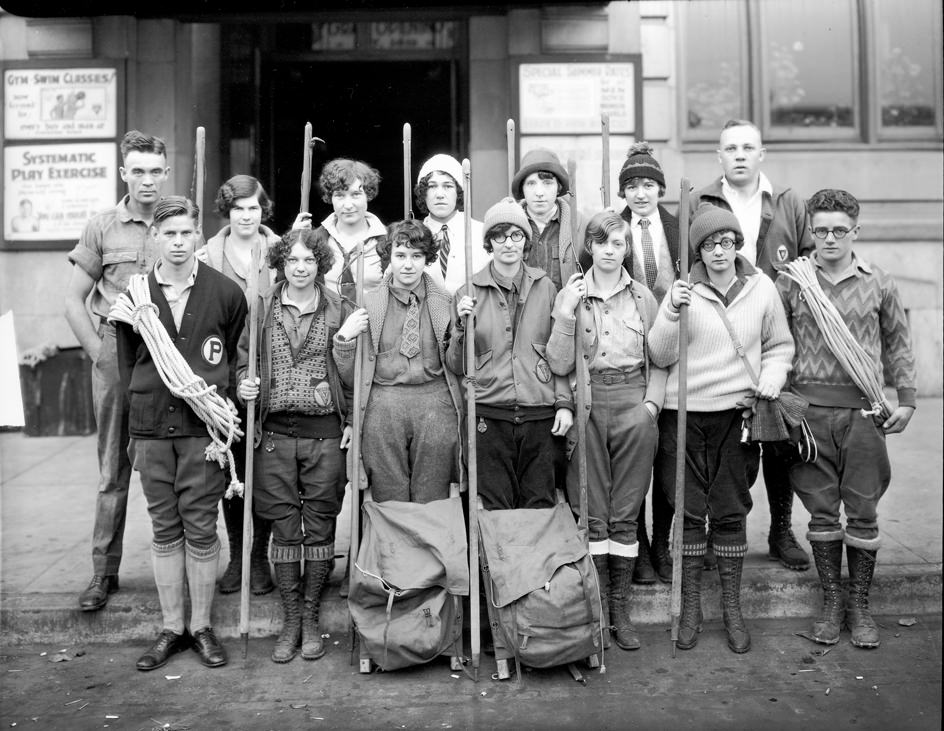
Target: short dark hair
x=602, y=225
x=635, y=181
x=175, y=205
x=242, y=186
x=422, y=188
x=833, y=199
x=135, y=141
x=410, y=233
x=341, y=173
x=316, y=241
x=504, y=228
x=545, y=175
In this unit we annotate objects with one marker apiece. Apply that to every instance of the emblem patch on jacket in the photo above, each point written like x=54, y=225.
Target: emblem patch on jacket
x=212, y=350
x=782, y=253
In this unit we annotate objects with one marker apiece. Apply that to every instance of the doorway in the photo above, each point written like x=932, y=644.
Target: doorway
x=358, y=108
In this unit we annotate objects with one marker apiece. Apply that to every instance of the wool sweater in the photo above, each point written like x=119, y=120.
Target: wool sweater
x=869, y=304
x=717, y=378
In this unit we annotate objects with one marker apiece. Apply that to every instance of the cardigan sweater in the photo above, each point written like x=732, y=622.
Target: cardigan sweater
x=717, y=378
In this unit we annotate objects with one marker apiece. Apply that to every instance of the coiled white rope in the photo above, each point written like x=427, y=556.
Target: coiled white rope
x=135, y=308
x=840, y=340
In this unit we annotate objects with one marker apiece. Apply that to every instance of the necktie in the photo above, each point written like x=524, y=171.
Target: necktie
x=410, y=343
x=648, y=254
x=444, y=248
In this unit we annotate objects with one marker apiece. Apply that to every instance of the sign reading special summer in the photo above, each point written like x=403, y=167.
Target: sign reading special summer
x=50, y=191
x=60, y=103
x=568, y=98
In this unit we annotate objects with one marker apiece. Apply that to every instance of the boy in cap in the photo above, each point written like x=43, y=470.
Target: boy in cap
x=852, y=466
x=440, y=195
x=522, y=408
x=203, y=311
x=542, y=185
x=651, y=258
x=414, y=404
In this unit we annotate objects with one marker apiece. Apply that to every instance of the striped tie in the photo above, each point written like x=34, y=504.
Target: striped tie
x=444, y=249
x=648, y=254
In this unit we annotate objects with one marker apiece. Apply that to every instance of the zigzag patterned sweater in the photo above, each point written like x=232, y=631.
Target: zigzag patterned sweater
x=871, y=307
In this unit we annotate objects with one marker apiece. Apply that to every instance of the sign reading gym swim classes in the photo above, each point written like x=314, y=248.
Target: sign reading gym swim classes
x=60, y=103
x=568, y=98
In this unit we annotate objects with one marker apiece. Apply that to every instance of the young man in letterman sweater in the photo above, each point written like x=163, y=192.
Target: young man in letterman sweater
x=203, y=312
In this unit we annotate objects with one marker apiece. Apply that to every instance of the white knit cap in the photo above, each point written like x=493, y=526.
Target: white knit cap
x=443, y=163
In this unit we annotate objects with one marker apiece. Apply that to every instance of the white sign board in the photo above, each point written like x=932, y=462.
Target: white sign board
x=50, y=191
x=66, y=103
x=568, y=98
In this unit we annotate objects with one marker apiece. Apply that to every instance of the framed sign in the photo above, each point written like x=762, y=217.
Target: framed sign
x=61, y=120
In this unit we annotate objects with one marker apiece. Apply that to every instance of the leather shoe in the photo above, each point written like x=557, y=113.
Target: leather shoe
x=96, y=594
x=209, y=649
x=168, y=643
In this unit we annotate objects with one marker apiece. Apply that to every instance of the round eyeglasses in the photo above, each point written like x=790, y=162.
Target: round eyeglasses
x=516, y=236
x=725, y=243
x=821, y=232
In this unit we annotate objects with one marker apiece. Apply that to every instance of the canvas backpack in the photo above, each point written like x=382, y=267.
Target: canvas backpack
x=410, y=574
x=543, y=593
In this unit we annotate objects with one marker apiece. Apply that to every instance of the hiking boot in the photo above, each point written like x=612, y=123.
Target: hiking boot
x=289, y=576
x=260, y=576
x=729, y=571
x=601, y=563
x=782, y=544
x=661, y=527
x=691, y=619
x=96, y=593
x=621, y=581
x=643, y=573
x=232, y=579
x=828, y=558
x=316, y=575
x=858, y=617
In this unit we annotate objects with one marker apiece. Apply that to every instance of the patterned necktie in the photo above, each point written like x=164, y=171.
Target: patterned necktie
x=410, y=343
x=648, y=254
x=444, y=248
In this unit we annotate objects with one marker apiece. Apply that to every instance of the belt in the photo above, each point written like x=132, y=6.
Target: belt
x=609, y=379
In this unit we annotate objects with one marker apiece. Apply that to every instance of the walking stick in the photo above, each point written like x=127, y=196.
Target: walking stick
x=306, y=170
x=199, y=173
x=605, y=124
x=407, y=140
x=250, y=429
x=356, y=420
x=473, y=471
x=582, y=375
x=510, y=142
x=679, y=517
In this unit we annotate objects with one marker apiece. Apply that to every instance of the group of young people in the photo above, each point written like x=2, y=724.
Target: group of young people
x=549, y=287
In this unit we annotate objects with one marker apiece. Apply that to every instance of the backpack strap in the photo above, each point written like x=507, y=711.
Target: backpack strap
x=734, y=339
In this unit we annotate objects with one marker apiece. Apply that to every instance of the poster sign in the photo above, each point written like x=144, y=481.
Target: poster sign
x=60, y=103
x=568, y=98
x=50, y=191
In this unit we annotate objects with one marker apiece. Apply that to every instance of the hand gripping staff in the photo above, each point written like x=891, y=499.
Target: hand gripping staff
x=471, y=433
x=605, y=125
x=199, y=173
x=510, y=142
x=407, y=144
x=679, y=518
x=252, y=292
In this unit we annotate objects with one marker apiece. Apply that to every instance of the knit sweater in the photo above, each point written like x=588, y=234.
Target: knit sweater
x=869, y=304
x=717, y=378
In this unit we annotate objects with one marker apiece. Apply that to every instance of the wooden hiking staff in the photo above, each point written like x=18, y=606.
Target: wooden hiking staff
x=581, y=373
x=678, y=519
x=510, y=142
x=407, y=175
x=199, y=172
x=474, y=626
x=303, y=206
x=605, y=125
x=357, y=418
x=252, y=291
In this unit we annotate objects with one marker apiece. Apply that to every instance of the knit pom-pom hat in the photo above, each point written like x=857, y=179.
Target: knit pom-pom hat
x=711, y=219
x=538, y=160
x=640, y=164
x=507, y=211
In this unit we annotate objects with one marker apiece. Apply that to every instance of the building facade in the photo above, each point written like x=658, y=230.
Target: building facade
x=848, y=94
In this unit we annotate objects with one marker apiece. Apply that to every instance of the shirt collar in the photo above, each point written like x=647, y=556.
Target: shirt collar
x=509, y=283
x=162, y=280
x=403, y=295
x=857, y=263
x=742, y=269
x=125, y=214
x=593, y=289
x=312, y=305
x=763, y=186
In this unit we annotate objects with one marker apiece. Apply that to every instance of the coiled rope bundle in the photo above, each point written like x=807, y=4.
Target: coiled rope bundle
x=851, y=356
x=135, y=308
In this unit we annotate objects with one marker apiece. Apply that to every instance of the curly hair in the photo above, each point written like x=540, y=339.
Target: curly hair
x=422, y=188
x=316, y=241
x=242, y=186
x=410, y=233
x=505, y=228
x=833, y=199
x=602, y=225
x=341, y=173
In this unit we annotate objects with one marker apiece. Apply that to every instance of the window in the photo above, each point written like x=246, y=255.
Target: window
x=818, y=70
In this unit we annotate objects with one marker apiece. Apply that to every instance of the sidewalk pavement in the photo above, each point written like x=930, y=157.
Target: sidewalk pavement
x=47, y=497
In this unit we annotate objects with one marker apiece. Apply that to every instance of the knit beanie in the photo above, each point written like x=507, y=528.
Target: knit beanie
x=640, y=164
x=443, y=163
x=538, y=160
x=507, y=211
x=711, y=219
